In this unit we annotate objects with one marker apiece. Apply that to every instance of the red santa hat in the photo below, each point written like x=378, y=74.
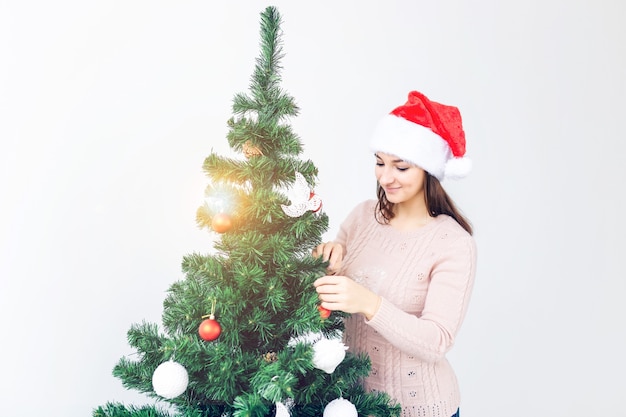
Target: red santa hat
x=426, y=133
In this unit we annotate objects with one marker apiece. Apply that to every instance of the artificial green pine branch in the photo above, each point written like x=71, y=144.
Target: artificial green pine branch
x=257, y=282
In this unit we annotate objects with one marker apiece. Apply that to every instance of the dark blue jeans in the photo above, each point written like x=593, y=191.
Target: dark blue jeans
x=456, y=414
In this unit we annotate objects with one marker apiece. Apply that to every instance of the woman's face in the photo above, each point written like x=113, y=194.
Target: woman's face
x=402, y=181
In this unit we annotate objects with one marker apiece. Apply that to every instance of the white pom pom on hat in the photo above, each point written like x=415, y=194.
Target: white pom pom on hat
x=426, y=133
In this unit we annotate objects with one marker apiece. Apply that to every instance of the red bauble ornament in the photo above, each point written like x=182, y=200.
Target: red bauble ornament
x=209, y=329
x=324, y=312
x=221, y=223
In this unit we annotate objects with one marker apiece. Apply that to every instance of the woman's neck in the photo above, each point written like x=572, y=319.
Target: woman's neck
x=409, y=216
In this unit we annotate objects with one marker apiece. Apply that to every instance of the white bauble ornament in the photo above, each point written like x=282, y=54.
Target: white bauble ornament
x=328, y=354
x=282, y=410
x=170, y=379
x=340, y=408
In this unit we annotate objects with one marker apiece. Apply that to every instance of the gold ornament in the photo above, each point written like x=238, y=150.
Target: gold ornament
x=249, y=150
x=221, y=223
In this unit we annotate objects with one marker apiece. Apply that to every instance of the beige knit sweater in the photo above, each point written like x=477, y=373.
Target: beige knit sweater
x=425, y=278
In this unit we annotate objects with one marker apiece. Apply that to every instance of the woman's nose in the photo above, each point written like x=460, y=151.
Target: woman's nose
x=386, y=176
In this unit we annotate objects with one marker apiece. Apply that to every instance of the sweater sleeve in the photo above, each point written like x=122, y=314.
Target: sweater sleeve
x=429, y=336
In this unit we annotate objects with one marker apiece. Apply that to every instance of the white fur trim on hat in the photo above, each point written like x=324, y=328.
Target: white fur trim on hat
x=413, y=143
x=457, y=168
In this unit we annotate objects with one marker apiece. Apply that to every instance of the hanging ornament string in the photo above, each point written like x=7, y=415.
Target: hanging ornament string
x=213, y=304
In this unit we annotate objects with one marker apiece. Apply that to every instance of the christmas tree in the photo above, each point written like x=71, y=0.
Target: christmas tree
x=243, y=333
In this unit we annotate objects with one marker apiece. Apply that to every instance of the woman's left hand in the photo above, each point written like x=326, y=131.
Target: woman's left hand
x=338, y=292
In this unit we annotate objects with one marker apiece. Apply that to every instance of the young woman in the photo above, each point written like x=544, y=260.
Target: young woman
x=404, y=265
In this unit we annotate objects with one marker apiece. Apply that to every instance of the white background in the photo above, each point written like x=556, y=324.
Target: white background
x=107, y=110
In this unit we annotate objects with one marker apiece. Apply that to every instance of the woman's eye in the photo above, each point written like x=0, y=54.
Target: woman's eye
x=379, y=164
x=402, y=168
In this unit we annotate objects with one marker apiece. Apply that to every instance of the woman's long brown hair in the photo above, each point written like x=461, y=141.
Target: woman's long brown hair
x=437, y=201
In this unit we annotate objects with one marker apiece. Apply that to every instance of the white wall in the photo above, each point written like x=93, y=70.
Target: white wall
x=107, y=110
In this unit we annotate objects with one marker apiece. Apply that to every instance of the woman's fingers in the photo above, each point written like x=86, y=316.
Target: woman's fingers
x=331, y=252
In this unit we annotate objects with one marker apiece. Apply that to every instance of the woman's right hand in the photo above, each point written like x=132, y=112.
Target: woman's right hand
x=332, y=252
